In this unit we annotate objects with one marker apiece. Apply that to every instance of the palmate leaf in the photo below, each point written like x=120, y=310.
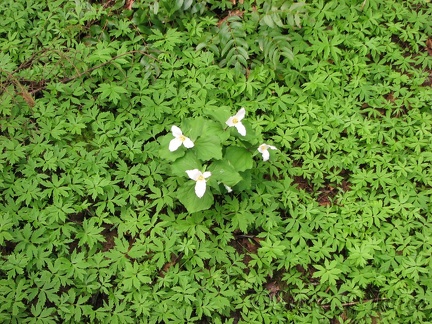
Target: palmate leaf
x=111, y=91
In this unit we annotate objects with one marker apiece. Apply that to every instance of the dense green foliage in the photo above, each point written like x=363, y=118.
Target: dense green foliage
x=336, y=226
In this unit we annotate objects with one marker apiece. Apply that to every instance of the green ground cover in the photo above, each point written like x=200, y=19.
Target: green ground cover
x=99, y=220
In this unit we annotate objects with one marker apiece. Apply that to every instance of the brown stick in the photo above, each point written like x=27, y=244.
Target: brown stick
x=357, y=302
x=80, y=74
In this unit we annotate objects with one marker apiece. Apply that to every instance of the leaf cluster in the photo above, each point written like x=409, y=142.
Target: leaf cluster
x=337, y=228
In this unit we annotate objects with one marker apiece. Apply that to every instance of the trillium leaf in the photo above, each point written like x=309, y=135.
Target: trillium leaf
x=246, y=182
x=193, y=128
x=212, y=128
x=207, y=148
x=224, y=172
x=220, y=114
x=186, y=195
x=239, y=158
x=188, y=162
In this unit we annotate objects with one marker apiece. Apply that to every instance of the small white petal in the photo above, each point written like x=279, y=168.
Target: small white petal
x=265, y=155
x=206, y=174
x=272, y=147
x=188, y=143
x=175, y=144
x=241, y=129
x=262, y=148
x=194, y=174
x=229, y=122
x=200, y=188
x=227, y=188
x=176, y=131
x=240, y=114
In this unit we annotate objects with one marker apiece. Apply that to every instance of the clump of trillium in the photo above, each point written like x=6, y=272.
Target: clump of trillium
x=264, y=150
x=235, y=121
x=200, y=179
x=179, y=139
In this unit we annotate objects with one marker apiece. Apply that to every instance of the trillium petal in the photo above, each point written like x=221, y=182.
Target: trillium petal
x=272, y=147
x=265, y=155
x=206, y=174
x=241, y=129
x=188, y=143
x=240, y=114
x=176, y=131
x=229, y=122
x=175, y=144
x=200, y=188
x=228, y=188
x=262, y=148
x=193, y=174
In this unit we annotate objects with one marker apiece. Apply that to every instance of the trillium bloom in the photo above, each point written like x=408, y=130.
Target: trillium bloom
x=179, y=139
x=200, y=178
x=228, y=188
x=263, y=149
x=236, y=121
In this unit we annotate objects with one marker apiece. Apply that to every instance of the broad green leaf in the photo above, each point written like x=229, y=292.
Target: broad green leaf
x=207, y=148
x=246, y=182
x=239, y=157
x=223, y=171
x=193, y=128
x=220, y=114
x=188, y=162
x=186, y=195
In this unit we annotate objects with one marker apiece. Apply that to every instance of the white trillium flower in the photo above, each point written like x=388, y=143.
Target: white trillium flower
x=236, y=121
x=179, y=139
x=200, y=178
x=228, y=188
x=263, y=149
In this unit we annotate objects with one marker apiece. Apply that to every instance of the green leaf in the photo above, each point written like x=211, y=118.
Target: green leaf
x=207, y=148
x=193, y=127
x=187, y=162
x=246, y=182
x=111, y=91
x=186, y=195
x=239, y=158
x=223, y=171
x=220, y=114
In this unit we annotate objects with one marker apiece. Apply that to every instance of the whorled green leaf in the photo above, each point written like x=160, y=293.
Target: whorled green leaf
x=207, y=148
x=220, y=114
x=188, y=162
x=224, y=172
x=245, y=183
x=193, y=127
x=239, y=157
